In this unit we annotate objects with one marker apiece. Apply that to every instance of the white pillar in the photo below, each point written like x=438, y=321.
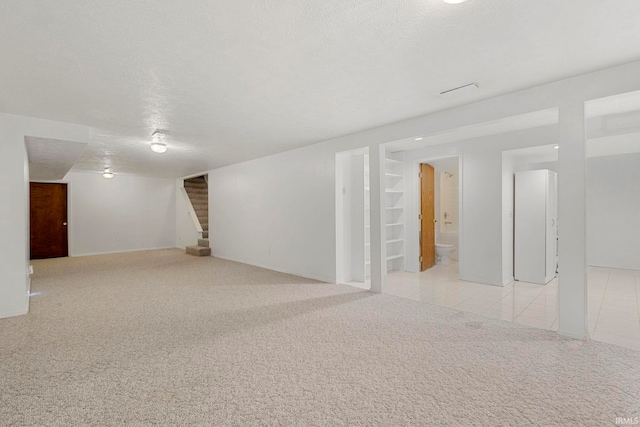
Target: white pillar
x=572, y=260
x=378, y=229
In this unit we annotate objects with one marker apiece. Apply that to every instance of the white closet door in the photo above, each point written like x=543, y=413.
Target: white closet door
x=552, y=219
x=530, y=226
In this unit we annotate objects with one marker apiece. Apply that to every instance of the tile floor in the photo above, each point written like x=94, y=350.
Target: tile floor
x=613, y=298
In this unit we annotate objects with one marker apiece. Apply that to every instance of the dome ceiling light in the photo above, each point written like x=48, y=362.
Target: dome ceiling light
x=158, y=145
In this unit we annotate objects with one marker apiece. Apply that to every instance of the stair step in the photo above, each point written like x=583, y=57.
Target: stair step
x=198, y=250
x=203, y=242
x=205, y=234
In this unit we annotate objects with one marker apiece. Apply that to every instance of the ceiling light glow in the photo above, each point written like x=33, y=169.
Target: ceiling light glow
x=454, y=1
x=556, y=146
x=158, y=147
x=418, y=138
x=107, y=173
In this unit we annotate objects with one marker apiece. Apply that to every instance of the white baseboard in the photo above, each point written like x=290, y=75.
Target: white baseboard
x=573, y=336
x=122, y=251
x=481, y=281
x=266, y=267
x=14, y=313
x=507, y=280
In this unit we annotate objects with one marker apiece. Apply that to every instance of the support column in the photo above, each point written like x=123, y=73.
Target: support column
x=378, y=229
x=572, y=259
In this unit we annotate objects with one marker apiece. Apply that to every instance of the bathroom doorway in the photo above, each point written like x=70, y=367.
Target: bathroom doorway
x=439, y=199
x=427, y=217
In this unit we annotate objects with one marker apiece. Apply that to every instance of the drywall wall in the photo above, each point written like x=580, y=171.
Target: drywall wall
x=277, y=212
x=613, y=209
x=125, y=213
x=484, y=254
x=508, y=187
x=14, y=209
x=186, y=232
x=451, y=199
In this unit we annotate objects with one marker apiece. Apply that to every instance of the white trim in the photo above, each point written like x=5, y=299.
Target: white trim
x=123, y=252
x=573, y=336
x=14, y=313
x=197, y=175
x=304, y=276
x=507, y=280
x=481, y=281
x=190, y=210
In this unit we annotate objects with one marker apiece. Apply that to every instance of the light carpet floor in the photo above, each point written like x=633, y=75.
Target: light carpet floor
x=163, y=338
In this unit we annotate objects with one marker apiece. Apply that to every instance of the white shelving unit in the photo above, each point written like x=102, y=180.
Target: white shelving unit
x=394, y=212
x=367, y=218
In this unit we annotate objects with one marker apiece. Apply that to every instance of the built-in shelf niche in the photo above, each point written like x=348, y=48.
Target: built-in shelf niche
x=394, y=211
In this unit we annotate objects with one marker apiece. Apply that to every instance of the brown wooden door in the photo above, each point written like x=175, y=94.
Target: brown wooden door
x=48, y=220
x=427, y=223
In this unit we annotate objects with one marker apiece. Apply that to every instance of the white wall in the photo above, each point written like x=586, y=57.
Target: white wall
x=186, y=232
x=277, y=212
x=451, y=236
x=613, y=211
x=482, y=228
x=125, y=213
x=508, y=186
x=14, y=209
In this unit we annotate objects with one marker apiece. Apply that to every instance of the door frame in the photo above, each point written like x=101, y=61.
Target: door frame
x=412, y=263
x=70, y=235
x=427, y=220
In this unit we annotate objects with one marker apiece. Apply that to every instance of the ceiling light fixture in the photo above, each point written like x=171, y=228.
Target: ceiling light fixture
x=418, y=138
x=158, y=145
x=454, y=1
x=556, y=146
x=107, y=173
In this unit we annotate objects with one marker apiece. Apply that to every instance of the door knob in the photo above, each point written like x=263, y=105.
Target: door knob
x=435, y=220
x=64, y=223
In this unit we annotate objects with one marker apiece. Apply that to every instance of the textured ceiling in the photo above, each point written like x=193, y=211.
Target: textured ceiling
x=235, y=80
x=51, y=159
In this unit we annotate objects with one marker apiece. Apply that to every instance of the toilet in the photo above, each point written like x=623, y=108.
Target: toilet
x=443, y=252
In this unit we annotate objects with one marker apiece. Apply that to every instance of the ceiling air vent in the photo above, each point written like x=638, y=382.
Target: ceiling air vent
x=466, y=89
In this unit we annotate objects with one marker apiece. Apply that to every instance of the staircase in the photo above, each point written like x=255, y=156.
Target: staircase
x=198, y=191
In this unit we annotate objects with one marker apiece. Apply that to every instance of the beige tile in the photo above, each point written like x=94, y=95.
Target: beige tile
x=474, y=306
x=532, y=321
x=619, y=322
x=539, y=314
x=499, y=314
x=617, y=340
x=633, y=333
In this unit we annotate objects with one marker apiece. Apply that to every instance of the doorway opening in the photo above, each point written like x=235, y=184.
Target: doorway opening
x=437, y=204
x=48, y=220
x=353, y=241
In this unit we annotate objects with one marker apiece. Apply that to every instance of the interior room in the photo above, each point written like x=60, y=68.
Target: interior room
x=219, y=213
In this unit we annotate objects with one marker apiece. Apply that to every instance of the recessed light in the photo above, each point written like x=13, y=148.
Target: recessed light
x=158, y=147
x=107, y=173
x=418, y=138
x=454, y=1
x=556, y=146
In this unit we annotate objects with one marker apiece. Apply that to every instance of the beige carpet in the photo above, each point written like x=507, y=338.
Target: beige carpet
x=163, y=338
